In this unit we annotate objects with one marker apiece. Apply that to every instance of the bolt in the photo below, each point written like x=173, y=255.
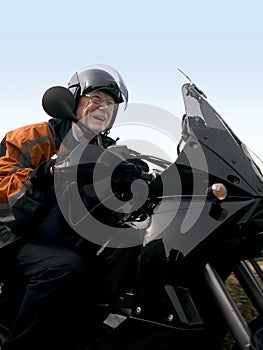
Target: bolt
x=170, y=318
x=138, y=310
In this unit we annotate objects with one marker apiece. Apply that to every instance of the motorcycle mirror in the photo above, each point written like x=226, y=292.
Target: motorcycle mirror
x=58, y=102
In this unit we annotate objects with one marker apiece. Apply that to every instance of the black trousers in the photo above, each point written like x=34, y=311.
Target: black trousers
x=59, y=287
x=56, y=282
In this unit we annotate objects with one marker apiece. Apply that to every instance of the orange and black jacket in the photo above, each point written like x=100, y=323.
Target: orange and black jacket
x=21, y=151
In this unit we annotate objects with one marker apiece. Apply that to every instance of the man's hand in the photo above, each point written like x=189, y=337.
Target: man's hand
x=126, y=172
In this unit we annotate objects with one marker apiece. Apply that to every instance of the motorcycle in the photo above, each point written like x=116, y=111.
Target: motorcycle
x=202, y=221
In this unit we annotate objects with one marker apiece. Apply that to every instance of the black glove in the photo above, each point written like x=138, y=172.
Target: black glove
x=129, y=169
x=42, y=176
x=126, y=172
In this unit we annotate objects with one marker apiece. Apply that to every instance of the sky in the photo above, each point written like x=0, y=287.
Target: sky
x=217, y=44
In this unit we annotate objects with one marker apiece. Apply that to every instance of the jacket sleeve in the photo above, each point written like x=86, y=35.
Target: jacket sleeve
x=25, y=149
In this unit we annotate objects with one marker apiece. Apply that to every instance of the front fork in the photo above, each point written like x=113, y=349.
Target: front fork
x=233, y=318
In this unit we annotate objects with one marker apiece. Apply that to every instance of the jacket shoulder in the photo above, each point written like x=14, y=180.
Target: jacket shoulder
x=30, y=132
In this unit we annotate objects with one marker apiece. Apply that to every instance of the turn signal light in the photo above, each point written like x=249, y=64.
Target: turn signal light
x=219, y=191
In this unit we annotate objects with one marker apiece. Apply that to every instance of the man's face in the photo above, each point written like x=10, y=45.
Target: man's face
x=96, y=110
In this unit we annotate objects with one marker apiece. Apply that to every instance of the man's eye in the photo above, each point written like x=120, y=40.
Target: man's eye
x=97, y=99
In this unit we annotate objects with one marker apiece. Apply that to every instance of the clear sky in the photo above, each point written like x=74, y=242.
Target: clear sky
x=218, y=44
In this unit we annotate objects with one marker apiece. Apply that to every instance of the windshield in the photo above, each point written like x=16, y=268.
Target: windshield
x=225, y=155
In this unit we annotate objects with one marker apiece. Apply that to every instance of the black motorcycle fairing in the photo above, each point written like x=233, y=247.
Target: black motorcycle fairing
x=185, y=215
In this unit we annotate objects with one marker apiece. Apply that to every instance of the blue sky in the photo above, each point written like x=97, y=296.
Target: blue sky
x=219, y=45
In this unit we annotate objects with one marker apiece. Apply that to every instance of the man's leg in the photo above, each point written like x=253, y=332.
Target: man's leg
x=55, y=282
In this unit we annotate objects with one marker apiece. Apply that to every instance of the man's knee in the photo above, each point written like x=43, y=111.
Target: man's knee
x=69, y=265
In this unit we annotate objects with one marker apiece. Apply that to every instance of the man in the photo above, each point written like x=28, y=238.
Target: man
x=54, y=278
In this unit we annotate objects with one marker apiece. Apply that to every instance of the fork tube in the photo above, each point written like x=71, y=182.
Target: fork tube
x=233, y=318
x=257, y=268
x=251, y=285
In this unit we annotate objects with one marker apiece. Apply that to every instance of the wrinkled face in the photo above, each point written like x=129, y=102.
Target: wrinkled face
x=96, y=110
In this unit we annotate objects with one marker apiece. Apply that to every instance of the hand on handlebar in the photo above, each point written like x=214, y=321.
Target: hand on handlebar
x=127, y=172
